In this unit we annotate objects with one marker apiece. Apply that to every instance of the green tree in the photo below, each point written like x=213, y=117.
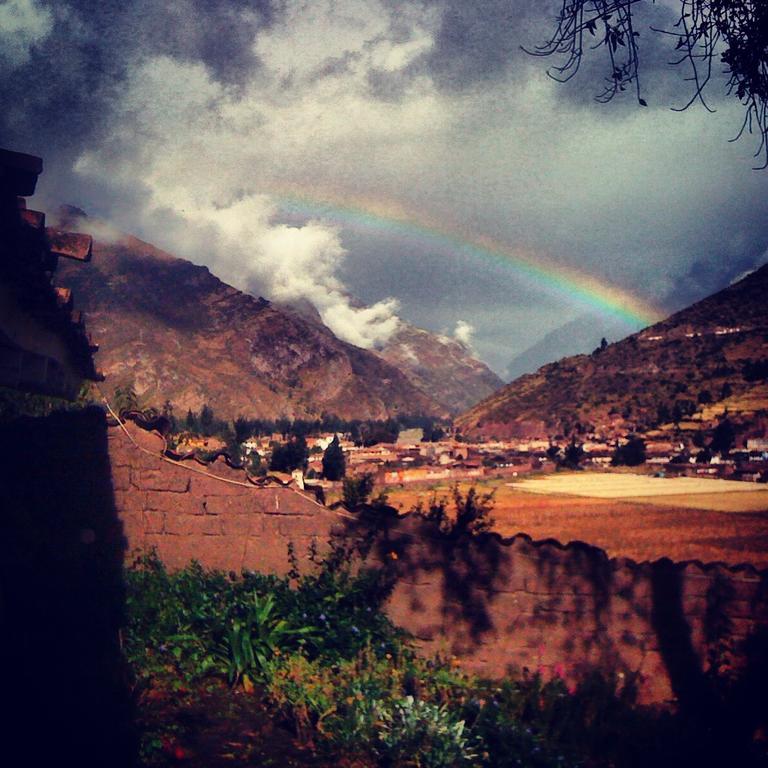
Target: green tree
x=334, y=463
x=573, y=454
x=207, y=420
x=631, y=454
x=553, y=452
x=357, y=490
x=254, y=462
x=723, y=437
x=473, y=511
x=290, y=455
x=190, y=422
x=243, y=429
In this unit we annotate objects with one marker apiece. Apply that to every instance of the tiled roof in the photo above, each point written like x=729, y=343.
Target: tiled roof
x=44, y=347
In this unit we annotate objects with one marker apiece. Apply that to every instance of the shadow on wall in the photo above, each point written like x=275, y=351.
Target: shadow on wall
x=729, y=707
x=489, y=600
x=64, y=687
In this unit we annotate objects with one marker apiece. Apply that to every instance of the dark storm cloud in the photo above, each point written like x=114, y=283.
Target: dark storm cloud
x=486, y=41
x=480, y=41
x=59, y=99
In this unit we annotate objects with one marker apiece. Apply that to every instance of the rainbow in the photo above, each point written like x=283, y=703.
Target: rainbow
x=545, y=273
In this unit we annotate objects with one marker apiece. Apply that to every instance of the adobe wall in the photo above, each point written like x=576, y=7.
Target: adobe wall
x=497, y=604
x=208, y=513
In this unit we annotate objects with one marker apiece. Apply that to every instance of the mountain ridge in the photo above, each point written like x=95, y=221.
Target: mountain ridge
x=674, y=370
x=177, y=332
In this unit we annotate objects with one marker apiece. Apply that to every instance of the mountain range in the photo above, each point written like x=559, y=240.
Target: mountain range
x=582, y=334
x=698, y=364
x=175, y=332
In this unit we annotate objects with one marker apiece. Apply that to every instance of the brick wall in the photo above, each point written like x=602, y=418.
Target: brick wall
x=188, y=512
x=495, y=603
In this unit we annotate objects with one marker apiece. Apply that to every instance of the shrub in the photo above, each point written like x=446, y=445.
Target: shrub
x=194, y=622
x=631, y=454
x=357, y=490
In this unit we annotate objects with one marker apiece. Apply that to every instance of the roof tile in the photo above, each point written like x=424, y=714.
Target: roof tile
x=70, y=245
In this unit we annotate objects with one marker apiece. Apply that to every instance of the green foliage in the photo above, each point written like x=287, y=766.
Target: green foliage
x=243, y=429
x=573, y=455
x=195, y=622
x=208, y=425
x=723, y=438
x=254, y=639
x=755, y=370
x=125, y=398
x=289, y=456
x=473, y=511
x=423, y=733
x=207, y=420
x=334, y=463
x=357, y=490
x=254, y=462
x=360, y=707
x=631, y=454
x=14, y=404
x=331, y=664
x=553, y=452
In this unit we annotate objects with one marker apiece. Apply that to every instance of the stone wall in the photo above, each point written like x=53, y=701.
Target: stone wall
x=497, y=604
x=210, y=513
x=500, y=604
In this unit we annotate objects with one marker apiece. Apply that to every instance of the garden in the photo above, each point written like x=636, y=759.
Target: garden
x=256, y=670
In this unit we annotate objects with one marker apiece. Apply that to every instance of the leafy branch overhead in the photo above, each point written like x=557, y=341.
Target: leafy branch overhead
x=733, y=32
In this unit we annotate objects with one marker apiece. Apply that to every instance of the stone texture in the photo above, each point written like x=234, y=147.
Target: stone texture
x=497, y=604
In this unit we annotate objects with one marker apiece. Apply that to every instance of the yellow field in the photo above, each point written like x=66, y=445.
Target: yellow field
x=612, y=485
x=725, y=524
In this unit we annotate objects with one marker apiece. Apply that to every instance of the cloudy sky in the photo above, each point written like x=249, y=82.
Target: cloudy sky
x=364, y=154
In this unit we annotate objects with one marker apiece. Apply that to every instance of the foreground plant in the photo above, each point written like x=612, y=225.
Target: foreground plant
x=316, y=654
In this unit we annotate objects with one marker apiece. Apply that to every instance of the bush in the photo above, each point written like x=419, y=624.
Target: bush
x=631, y=454
x=331, y=664
x=195, y=622
x=357, y=490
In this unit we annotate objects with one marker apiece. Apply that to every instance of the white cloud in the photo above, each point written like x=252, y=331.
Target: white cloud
x=211, y=159
x=464, y=333
x=633, y=197
x=22, y=24
x=291, y=263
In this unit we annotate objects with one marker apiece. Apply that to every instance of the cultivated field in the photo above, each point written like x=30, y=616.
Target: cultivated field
x=610, y=485
x=708, y=521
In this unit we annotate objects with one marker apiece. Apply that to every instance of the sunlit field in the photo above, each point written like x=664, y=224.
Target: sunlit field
x=724, y=524
x=610, y=485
